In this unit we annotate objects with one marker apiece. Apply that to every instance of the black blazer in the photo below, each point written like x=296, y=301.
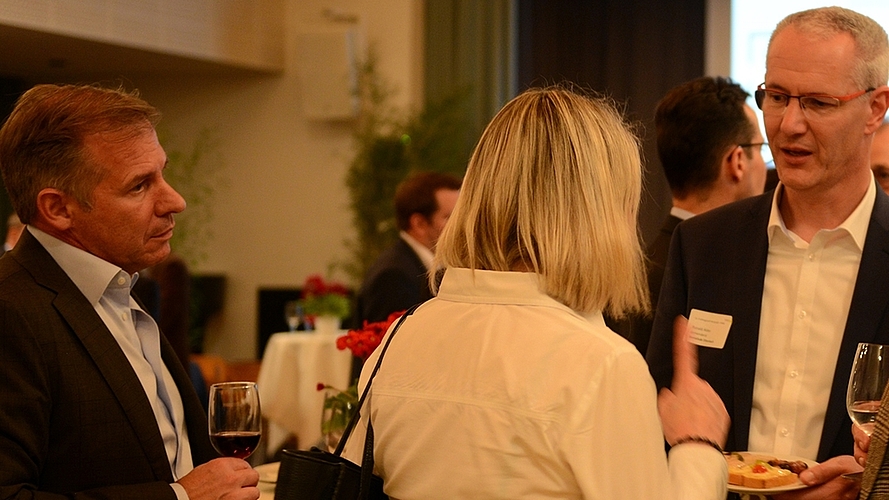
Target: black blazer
x=639, y=330
x=717, y=263
x=394, y=282
x=73, y=414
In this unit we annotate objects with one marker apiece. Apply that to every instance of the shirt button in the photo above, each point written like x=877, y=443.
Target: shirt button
x=793, y=374
x=811, y=256
x=121, y=280
x=802, y=314
x=123, y=317
x=785, y=432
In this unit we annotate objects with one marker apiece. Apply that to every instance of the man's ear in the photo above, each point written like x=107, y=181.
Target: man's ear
x=54, y=208
x=878, y=107
x=418, y=222
x=733, y=165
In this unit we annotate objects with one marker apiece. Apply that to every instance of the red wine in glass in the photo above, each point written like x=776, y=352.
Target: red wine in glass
x=234, y=418
x=234, y=443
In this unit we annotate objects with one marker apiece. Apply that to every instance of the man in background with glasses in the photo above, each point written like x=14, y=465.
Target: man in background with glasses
x=797, y=276
x=710, y=147
x=879, y=155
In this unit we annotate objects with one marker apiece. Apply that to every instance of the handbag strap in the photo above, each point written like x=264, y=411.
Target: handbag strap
x=355, y=416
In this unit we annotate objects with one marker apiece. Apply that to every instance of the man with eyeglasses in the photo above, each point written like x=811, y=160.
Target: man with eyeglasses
x=710, y=147
x=796, y=276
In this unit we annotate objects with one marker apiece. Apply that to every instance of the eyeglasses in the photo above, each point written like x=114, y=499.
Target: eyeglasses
x=763, y=150
x=773, y=102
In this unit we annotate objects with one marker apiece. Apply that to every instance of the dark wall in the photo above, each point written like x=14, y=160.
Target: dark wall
x=10, y=90
x=631, y=50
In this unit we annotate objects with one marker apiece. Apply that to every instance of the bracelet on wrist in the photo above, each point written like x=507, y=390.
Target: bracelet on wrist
x=699, y=439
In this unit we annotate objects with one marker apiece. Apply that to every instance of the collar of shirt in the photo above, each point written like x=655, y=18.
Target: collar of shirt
x=502, y=287
x=681, y=213
x=420, y=249
x=91, y=274
x=855, y=225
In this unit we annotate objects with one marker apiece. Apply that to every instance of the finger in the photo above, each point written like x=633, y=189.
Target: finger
x=685, y=354
x=829, y=469
x=862, y=440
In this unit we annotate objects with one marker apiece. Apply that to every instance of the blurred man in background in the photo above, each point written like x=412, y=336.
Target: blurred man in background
x=399, y=278
x=879, y=155
x=710, y=147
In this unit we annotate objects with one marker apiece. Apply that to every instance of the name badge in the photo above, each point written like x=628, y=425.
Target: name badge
x=708, y=329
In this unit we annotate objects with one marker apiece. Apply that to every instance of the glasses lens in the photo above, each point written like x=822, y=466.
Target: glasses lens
x=774, y=101
x=819, y=104
x=758, y=96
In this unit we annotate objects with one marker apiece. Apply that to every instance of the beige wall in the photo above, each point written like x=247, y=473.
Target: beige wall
x=284, y=214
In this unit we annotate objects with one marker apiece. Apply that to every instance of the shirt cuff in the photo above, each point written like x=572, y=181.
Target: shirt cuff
x=179, y=490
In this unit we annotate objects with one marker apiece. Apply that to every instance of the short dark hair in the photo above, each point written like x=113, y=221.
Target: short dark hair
x=42, y=141
x=696, y=122
x=416, y=194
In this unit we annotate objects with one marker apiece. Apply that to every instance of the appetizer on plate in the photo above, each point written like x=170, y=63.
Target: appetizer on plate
x=756, y=470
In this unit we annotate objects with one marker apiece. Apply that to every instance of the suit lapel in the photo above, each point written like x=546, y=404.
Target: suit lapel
x=110, y=360
x=865, y=322
x=748, y=269
x=195, y=417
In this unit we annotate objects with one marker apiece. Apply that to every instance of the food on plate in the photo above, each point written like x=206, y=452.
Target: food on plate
x=753, y=470
x=795, y=466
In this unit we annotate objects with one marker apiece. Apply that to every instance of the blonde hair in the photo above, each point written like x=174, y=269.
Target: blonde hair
x=553, y=187
x=871, y=43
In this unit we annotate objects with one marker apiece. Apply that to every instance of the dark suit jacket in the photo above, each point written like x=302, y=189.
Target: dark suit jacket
x=73, y=414
x=396, y=281
x=639, y=332
x=717, y=263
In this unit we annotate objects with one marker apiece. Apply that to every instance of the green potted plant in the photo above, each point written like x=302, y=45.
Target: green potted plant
x=389, y=145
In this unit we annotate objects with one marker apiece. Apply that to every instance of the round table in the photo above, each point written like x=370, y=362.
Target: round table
x=292, y=367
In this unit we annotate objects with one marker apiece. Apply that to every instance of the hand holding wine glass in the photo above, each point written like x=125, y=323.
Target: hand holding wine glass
x=234, y=418
x=870, y=373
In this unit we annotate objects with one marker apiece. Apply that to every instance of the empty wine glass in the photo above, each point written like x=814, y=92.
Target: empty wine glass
x=870, y=372
x=234, y=418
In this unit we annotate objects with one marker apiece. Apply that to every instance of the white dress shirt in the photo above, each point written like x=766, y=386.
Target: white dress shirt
x=495, y=390
x=681, y=213
x=805, y=303
x=107, y=287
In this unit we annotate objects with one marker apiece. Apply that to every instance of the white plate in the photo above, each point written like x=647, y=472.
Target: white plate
x=778, y=489
x=268, y=473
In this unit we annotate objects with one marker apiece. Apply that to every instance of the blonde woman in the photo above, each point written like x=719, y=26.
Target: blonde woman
x=509, y=384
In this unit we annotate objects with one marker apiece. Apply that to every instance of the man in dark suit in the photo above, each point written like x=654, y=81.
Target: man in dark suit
x=800, y=271
x=398, y=278
x=94, y=402
x=710, y=147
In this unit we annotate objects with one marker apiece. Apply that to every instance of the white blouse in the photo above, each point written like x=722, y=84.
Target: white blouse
x=495, y=390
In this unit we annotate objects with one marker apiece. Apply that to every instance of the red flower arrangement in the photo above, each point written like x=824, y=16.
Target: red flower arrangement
x=320, y=298
x=363, y=341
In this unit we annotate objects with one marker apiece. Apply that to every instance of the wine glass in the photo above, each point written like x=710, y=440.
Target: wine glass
x=234, y=418
x=293, y=314
x=870, y=372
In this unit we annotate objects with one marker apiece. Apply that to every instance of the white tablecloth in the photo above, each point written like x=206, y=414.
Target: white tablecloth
x=292, y=366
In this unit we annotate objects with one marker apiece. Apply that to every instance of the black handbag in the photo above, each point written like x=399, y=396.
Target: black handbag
x=320, y=475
